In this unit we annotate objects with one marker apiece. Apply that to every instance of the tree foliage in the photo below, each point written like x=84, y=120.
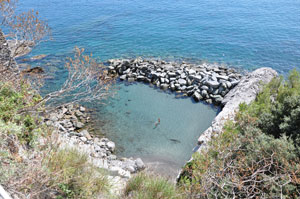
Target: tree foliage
x=87, y=81
x=24, y=30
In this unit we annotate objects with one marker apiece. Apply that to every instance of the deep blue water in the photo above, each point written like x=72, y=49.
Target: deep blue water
x=242, y=33
x=246, y=34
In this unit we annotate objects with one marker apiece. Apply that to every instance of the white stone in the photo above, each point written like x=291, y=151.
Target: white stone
x=111, y=146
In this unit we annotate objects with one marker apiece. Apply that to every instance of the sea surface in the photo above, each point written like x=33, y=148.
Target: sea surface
x=245, y=34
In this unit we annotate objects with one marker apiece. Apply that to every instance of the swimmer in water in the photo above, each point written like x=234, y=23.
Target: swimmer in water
x=157, y=123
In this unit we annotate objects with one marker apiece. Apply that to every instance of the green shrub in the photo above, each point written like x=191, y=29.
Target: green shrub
x=244, y=165
x=41, y=171
x=75, y=176
x=13, y=110
x=277, y=107
x=257, y=155
x=145, y=186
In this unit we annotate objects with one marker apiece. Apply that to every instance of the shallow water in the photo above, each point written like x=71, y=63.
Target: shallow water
x=132, y=122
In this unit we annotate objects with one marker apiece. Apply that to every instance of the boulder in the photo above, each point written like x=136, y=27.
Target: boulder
x=111, y=146
x=139, y=164
x=197, y=78
x=86, y=134
x=131, y=79
x=204, y=92
x=213, y=84
x=82, y=109
x=123, y=77
x=192, y=72
x=140, y=78
x=78, y=125
x=182, y=82
x=164, y=86
x=172, y=74
x=197, y=96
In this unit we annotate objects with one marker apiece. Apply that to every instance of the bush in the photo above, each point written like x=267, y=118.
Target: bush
x=76, y=176
x=41, y=170
x=244, y=165
x=14, y=106
x=277, y=108
x=145, y=186
x=257, y=155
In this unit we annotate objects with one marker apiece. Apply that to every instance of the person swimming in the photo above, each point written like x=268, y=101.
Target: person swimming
x=157, y=123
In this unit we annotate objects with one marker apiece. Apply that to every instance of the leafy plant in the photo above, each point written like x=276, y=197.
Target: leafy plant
x=146, y=186
x=257, y=155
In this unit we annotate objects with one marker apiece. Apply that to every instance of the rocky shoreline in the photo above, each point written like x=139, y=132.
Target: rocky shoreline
x=70, y=125
x=203, y=82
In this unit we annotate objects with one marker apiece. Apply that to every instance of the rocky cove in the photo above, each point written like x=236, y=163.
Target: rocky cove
x=206, y=82
x=210, y=83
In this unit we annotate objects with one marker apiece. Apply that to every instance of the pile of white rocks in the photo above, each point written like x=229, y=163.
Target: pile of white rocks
x=70, y=122
x=208, y=82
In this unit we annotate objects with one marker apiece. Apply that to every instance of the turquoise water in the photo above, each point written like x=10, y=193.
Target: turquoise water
x=246, y=34
x=131, y=120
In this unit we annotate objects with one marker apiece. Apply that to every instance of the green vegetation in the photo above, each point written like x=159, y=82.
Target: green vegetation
x=31, y=163
x=78, y=179
x=13, y=112
x=257, y=155
x=145, y=186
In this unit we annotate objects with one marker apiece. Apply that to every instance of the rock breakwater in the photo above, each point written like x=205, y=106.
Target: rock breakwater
x=203, y=82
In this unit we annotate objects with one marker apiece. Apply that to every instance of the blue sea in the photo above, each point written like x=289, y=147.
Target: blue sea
x=245, y=34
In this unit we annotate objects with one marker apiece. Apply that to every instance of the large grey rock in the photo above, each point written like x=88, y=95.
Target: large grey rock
x=197, y=96
x=78, y=125
x=131, y=79
x=86, y=134
x=245, y=92
x=192, y=72
x=139, y=164
x=172, y=74
x=164, y=86
x=213, y=84
x=111, y=146
x=182, y=82
x=123, y=77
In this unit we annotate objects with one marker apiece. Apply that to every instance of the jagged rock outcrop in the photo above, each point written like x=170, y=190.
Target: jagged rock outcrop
x=245, y=92
x=8, y=66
